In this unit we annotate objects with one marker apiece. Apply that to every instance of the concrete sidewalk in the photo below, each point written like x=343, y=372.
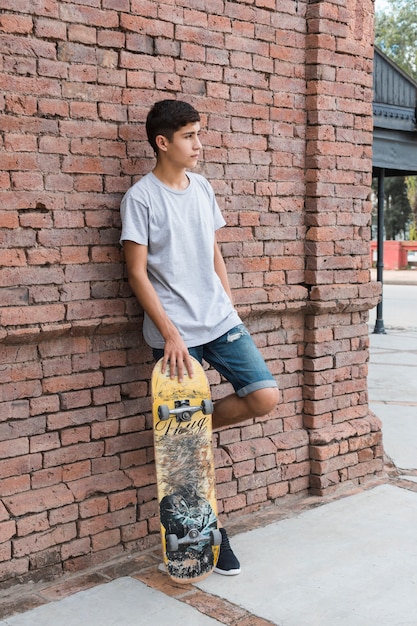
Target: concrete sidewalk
x=350, y=561
x=397, y=277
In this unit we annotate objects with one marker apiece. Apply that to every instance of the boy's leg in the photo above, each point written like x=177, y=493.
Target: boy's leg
x=232, y=409
x=237, y=358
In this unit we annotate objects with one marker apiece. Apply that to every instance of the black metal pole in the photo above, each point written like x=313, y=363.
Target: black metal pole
x=379, y=323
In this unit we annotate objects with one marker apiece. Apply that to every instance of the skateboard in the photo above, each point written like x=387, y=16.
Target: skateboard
x=185, y=473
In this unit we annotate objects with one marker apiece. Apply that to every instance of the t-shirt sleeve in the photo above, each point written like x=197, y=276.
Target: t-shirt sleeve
x=135, y=220
x=218, y=219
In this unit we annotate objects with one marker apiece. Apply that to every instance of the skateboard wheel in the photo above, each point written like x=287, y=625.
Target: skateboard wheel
x=163, y=412
x=215, y=537
x=207, y=407
x=171, y=543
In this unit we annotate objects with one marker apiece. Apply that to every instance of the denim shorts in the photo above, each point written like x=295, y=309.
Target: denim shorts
x=237, y=358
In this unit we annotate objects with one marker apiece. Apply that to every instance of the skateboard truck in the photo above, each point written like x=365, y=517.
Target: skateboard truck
x=183, y=411
x=193, y=536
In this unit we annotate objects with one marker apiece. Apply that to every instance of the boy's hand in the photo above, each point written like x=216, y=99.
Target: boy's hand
x=177, y=355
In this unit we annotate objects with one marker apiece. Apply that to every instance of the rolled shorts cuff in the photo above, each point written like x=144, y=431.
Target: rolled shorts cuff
x=260, y=384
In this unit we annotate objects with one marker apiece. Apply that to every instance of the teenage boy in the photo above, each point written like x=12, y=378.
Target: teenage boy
x=176, y=270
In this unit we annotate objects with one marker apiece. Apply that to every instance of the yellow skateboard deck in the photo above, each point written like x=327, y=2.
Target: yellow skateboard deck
x=185, y=473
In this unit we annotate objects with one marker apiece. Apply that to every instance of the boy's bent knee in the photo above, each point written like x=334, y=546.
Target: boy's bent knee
x=263, y=401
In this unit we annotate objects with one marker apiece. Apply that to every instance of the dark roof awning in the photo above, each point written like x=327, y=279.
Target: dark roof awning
x=394, y=114
x=395, y=151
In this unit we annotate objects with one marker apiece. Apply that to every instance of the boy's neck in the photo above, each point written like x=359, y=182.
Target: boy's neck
x=176, y=179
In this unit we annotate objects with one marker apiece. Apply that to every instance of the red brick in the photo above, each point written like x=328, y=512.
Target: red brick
x=76, y=471
x=240, y=469
x=75, y=435
x=16, y=24
x=77, y=547
x=289, y=440
x=20, y=465
x=235, y=503
x=73, y=453
x=39, y=500
x=32, y=524
x=75, y=399
x=63, y=515
x=46, y=559
x=7, y=530
x=98, y=524
x=46, y=477
x=105, y=539
x=149, y=510
x=105, y=429
x=362, y=469
x=53, y=107
x=132, y=532
x=141, y=476
x=104, y=465
x=265, y=463
x=50, y=29
x=60, y=384
x=20, y=447
x=106, y=483
x=122, y=500
x=30, y=315
x=5, y=552
x=254, y=481
x=14, y=569
x=251, y=449
x=89, y=15
x=93, y=507
x=8, y=220
x=41, y=541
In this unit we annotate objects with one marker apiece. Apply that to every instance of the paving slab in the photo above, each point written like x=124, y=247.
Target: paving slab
x=399, y=303
x=399, y=431
x=393, y=367
x=352, y=562
x=122, y=602
x=393, y=394
x=413, y=479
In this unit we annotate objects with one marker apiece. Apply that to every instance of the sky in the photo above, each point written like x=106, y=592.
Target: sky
x=381, y=5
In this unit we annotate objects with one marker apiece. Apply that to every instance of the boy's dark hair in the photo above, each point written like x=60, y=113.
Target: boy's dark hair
x=166, y=117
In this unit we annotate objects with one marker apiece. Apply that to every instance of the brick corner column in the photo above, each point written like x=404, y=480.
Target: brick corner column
x=345, y=438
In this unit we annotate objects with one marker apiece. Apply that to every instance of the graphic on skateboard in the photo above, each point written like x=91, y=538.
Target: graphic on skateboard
x=185, y=473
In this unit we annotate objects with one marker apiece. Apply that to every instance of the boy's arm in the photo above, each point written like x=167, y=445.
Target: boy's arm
x=175, y=350
x=220, y=268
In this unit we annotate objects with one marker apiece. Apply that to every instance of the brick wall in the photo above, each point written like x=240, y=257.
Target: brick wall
x=285, y=92
x=345, y=440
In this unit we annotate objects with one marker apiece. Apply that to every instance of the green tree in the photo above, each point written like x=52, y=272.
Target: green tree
x=412, y=197
x=413, y=232
x=411, y=182
x=397, y=212
x=396, y=34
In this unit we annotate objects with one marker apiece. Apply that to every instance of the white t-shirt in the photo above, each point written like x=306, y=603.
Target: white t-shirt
x=178, y=227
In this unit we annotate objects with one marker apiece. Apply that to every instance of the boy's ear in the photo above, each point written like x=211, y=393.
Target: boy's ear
x=162, y=142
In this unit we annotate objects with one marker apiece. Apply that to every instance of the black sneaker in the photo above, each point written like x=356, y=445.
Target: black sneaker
x=228, y=565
